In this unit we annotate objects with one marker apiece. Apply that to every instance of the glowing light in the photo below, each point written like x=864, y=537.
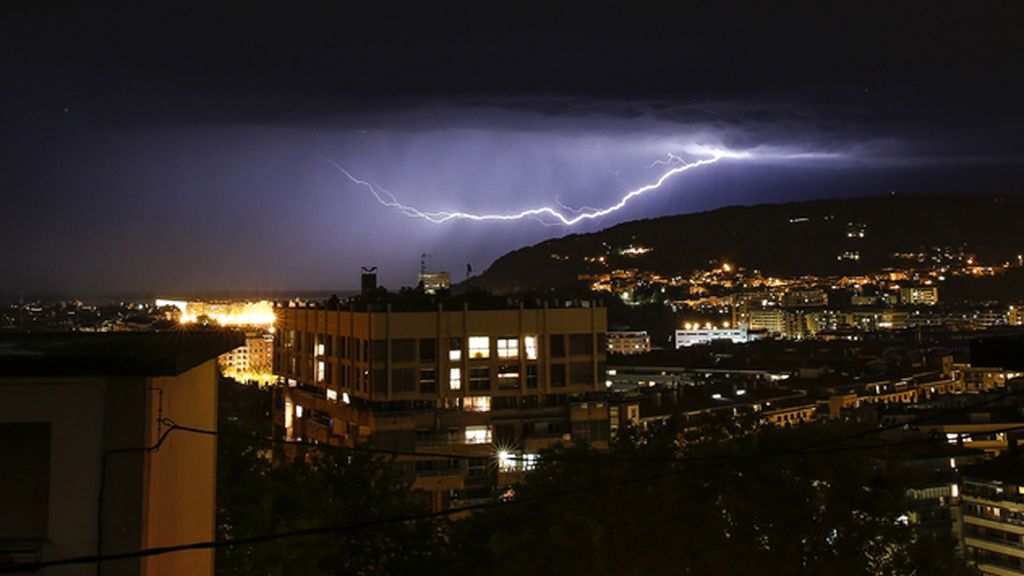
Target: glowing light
x=225, y=313
x=544, y=214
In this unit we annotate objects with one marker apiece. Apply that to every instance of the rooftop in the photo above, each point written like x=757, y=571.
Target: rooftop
x=111, y=354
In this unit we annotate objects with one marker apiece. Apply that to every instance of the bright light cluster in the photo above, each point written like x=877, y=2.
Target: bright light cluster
x=546, y=214
x=224, y=313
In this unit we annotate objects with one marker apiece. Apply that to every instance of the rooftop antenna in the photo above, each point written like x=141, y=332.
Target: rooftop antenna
x=423, y=263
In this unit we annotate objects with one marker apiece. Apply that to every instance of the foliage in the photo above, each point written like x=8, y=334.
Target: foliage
x=257, y=496
x=746, y=503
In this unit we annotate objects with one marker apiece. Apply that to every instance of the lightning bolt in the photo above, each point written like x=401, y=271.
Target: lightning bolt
x=544, y=214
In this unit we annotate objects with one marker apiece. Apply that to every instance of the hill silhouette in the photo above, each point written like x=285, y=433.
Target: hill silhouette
x=803, y=238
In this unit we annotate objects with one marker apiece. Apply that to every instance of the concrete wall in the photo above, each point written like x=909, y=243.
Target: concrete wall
x=181, y=490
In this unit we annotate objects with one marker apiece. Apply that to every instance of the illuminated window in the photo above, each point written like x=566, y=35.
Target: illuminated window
x=455, y=378
x=477, y=404
x=508, y=347
x=478, y=434
x=332, y=395
x=298, y=410
x=321, y=371
x=455, y=349
x=479, y=347
x=530, y=343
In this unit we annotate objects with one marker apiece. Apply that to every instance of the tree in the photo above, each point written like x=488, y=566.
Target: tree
x=322, y=488
x=747, y=502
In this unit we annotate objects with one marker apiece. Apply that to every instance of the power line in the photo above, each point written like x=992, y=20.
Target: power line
x=357, y=526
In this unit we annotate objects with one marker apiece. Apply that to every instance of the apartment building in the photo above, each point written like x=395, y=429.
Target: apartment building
x=991, y=516
x=467, y=381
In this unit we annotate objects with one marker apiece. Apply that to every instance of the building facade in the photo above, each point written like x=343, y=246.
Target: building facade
x=991, y=517
x=471, y=383
x=629, y=342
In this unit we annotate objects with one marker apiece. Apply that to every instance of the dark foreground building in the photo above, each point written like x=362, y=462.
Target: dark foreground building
x=77, y=414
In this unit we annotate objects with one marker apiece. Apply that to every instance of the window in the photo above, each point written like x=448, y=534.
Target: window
x=530, y=343
x=508, y=347
x=477, y=468
x=428, y=349
x=558, y=375
x=508, y=376
x=480, y=379
x=504, y=403
x=323, y=371
x=581, y=344
x=380, y=381
x=479, y=347
x=403, y=350
x=379, y=349
x=455, y=379
x=581, y=373
x=428, y=381
x=455, y=349
x=531, y=375
x=25, y=482
x=505, y=434
x=332, y=395
x=403, y=380
x=478, y=434
x=477, y=404
x=557, y=349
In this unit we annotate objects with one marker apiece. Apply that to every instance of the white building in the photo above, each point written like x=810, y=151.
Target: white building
x=707, y=335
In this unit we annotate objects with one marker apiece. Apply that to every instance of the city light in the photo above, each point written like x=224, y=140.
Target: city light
x=255, y=314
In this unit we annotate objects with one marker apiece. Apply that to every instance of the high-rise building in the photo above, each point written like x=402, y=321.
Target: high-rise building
x=472, y=383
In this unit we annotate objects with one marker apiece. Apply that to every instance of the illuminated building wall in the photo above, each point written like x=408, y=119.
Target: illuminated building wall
x=633, y=342
x=461, y=381
x=927, y=295
x=231, y=313
x=252, y=363
x=991, y=516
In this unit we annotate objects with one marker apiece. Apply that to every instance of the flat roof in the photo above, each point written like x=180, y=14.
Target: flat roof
x=112, y=353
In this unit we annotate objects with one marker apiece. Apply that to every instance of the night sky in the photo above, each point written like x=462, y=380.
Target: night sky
x=172, y=148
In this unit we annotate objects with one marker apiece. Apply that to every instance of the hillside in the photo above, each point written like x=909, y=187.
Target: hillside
x=778, y=239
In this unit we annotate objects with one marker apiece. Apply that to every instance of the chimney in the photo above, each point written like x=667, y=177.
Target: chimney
x=369, y=285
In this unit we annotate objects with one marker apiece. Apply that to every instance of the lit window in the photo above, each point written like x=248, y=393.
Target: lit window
x=455, y=355
x=478, y=434
x=332, y=395
x=508, y=348
x=319, y=349
x=455, y=349
x=345, y=398
x=477, y=403
x=298, y=410
x=321, y=370
x=530, y=343
x=455, y=378
x=479, y=347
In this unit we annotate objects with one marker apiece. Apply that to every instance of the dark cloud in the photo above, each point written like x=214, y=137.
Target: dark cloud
x=180, y=147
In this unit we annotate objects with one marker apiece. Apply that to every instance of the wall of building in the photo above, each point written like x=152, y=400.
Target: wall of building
x=182, y=475
x=74, y=409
